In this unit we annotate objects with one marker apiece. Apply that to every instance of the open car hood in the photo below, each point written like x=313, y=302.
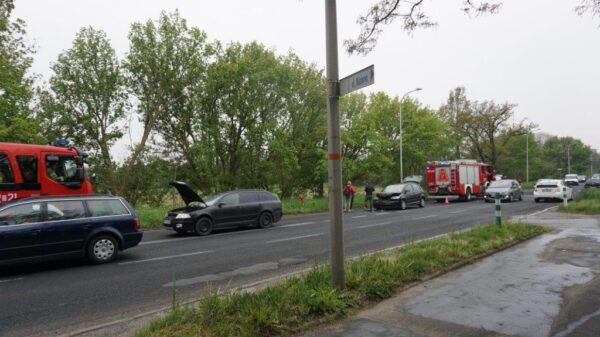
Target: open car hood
x=187, y=194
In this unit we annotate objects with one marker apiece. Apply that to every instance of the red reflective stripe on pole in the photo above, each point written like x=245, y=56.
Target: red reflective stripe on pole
x=334, y=156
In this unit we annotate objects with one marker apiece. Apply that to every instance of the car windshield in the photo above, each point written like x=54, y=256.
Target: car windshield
x=501, y=184
x=210, y=200
x=394, y=188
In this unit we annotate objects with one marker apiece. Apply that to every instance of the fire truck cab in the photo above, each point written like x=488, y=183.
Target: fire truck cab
x=458, y=179
x=31, y=170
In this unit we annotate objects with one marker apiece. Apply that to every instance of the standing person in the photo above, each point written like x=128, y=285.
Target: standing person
x=349, y=192
x=369, y=196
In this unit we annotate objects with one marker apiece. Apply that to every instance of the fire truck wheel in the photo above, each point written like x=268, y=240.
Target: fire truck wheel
x=403, y=204
x=422, y=203
x=468, y=197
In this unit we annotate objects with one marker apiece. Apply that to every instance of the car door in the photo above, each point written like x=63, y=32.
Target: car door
x=66, y=226
x=228, y=210
x=21, y=231
x=409, y=193
x=250, y=206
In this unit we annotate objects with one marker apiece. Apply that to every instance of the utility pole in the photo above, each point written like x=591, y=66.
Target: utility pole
x=527, y=157
x=334, y=147
x=401, y=134
x=569, y=159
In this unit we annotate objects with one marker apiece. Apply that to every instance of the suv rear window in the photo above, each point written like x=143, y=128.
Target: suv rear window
x=104, y=207
x=266, y=196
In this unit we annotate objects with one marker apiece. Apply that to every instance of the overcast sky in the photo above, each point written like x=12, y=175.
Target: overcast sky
x=535, y=53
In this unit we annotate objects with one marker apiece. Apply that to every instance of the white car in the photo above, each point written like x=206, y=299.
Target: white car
x=572, y=179
x=551, y=189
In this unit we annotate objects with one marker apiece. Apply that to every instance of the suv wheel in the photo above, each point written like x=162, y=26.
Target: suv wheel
x=203, y=226
x=265, y=220
x=102, y=249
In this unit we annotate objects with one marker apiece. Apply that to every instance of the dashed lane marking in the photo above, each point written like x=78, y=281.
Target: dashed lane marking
x=295, y=238
x=426, y=217
x=165, y=257
x=375, y=225
x=297, y=224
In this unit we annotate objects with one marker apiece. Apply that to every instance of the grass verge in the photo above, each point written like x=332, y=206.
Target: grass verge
x=587, y=203
x=300, y=302
x=152, y=217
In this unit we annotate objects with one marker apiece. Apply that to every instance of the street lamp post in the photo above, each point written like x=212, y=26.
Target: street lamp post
x=401, y=134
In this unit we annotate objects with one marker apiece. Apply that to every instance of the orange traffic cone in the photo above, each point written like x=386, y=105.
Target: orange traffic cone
x=446, y=201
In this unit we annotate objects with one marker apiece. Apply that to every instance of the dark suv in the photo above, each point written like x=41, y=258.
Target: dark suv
x=96, y=227
x=201, y=215
x=400, y=196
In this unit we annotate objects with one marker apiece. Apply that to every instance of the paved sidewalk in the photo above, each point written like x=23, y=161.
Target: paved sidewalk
x=548, y=286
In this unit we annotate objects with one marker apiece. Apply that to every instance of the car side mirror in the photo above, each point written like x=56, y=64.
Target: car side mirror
x=79, y=160
x=221, y=204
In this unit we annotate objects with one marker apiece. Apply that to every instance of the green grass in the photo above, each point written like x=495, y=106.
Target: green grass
x=528, y=185
x=588, y=203
x=301, y=302
x=152, y=217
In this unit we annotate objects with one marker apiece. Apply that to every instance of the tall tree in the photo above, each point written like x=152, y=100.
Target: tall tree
x=17, y=122
x=164, y=70
x=453, y=113
x=90, y=98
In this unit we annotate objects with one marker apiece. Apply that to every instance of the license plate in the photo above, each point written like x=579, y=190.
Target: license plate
x=546, y=190
x=167, y=222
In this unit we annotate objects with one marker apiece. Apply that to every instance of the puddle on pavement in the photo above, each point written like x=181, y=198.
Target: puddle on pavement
x=580, y=310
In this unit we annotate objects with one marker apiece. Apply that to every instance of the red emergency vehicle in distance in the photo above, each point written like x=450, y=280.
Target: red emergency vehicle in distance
x=458, y=179
x=30, y=170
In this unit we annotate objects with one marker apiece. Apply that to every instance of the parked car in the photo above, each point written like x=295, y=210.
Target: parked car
x=582, y=179
x=96, y=227
x=508, y=189
x=233, y=208
x=571, y=180
x=551, y=189
x=594, y=182
x=400, y=196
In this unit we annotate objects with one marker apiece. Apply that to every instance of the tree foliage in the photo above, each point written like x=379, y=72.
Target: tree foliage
x=89, y=98
x=412, y=16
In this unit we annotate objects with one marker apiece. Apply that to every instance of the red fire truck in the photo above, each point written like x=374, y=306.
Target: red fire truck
x=458, y=179
x=30, y=170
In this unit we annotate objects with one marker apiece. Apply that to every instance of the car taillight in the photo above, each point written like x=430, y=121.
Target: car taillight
x=136, y=224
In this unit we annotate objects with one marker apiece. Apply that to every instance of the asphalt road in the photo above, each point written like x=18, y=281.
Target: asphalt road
x=51, y=298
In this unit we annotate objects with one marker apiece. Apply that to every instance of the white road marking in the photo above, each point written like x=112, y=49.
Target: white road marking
x=382, y=213
x=297, y=224
x=455, y=212
x=375, y=225
x=426, y=217
x=11, y=279
x=167, y=240
x=359, y=216
x=295, y=238
x=165, y=257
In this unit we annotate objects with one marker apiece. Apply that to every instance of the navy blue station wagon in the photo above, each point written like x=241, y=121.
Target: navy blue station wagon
x=96, y=227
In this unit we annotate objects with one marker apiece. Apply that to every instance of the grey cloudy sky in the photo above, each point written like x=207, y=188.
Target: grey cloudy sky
x=535, y=53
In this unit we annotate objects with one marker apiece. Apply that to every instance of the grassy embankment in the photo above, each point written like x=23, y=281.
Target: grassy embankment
x=298, y=303
x=587, y=203
x=152, y=217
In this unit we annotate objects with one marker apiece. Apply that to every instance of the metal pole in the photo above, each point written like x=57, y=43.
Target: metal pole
x=401, y=162
x=569, y=159
x=591, y=164
x=498, y=205
x=334, y=147
x=565, y=202
x=527, y=159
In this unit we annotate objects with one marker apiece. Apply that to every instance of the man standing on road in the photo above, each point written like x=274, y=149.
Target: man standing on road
x=349, y=192
x=369, y=196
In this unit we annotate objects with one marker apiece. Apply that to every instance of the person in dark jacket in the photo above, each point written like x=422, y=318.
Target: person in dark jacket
x=369, y=189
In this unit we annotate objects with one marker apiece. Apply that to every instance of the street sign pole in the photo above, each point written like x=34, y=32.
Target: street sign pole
x=334, y=147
